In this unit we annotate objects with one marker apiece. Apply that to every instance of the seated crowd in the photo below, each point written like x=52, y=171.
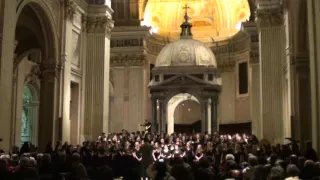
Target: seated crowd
x=139, y=155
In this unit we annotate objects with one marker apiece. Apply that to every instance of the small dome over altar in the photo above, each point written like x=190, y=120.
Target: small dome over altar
x=186, y=52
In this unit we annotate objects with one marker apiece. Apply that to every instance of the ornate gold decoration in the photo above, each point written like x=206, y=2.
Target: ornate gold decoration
x=269, y=17
x=98, y=24
x=217, y=18
x=135, y=59
x=71, y=8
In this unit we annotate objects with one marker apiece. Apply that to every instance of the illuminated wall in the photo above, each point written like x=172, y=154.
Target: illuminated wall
x=216, y=19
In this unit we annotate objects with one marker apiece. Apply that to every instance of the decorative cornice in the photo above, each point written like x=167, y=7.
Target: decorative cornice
x=226, y=66
x=270, y=17
x=71, y=8
x=97, y=24
x=130, y=59
x=132, y=42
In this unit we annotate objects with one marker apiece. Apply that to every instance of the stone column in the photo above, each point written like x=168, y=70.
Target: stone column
x=98, y=28
x=47, y=111
x=154, y=115
x=7, y=35
x=204, y=109
x=251, y=28
x=206, y=116
x=66, y=75
x=272, y=59
x=160, y=128
x=255, y=98
x=313, y=8
x=214, y=114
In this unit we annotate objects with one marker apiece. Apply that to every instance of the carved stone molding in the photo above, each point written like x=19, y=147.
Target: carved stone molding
x=136, y=59
x=34, y=74
x=270, y=17
x=97, y=24
x=226, y=67
x=71, y=8
x=126, y=42
x=49, y=72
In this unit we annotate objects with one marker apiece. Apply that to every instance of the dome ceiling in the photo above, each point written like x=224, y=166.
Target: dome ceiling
x=186, y=52
x=211, y=19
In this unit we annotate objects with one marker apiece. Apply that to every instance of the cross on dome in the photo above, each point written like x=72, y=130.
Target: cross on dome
x=186, y=26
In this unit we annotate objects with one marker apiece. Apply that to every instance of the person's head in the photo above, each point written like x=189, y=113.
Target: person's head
x=76, y=158
x=46, y=158
x=301, y=161
x=137, y=144
x=24, y=161
x=161, y=169
x=32, y=162
x=230, y=157
x=253, y=161
x=308, y=144
x=276, y=173
x=294, y=159
x=4, y=164
x=309, y=164
x=293, y=170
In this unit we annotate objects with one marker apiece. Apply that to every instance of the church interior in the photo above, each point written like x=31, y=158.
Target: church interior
x=72, y=69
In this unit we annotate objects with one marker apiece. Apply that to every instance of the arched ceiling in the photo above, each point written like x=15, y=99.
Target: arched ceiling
x=211, y=19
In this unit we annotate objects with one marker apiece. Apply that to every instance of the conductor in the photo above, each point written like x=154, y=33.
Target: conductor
x=147, y=126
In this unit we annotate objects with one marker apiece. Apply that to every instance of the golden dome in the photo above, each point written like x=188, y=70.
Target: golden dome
x=186, y=52
x=211, y=19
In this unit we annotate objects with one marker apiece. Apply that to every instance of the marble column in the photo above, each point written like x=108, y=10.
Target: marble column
x=313, y=8
x=154, y=115
x=98, y=26
x=214, y=114
x=47, y=111
x=272, y=59
x=7, y=35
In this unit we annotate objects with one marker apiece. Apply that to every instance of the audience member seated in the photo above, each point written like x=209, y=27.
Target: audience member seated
x=151, y=156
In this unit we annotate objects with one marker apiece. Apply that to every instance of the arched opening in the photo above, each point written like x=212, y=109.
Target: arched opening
x=35, y=75
x=29, y=115
x=173, y=103
x=187, y=117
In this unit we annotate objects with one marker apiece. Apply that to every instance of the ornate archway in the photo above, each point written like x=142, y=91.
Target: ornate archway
x=36, y=42
x=169, y=81
x=172, y=105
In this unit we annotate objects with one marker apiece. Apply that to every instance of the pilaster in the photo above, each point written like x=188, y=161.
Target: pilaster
x=272, y=59
x=98, y=27
x=313, y=8
x=7, y=27
x=70, y=9
x=48, y=124
x=255, y=112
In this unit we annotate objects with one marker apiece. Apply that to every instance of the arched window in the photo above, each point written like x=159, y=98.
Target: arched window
x=26, y=115
x=29, y=118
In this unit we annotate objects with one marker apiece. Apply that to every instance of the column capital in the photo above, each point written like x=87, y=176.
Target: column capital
x=49, y=72
x=70, y=7
x=270, y=17
x=97, y=24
